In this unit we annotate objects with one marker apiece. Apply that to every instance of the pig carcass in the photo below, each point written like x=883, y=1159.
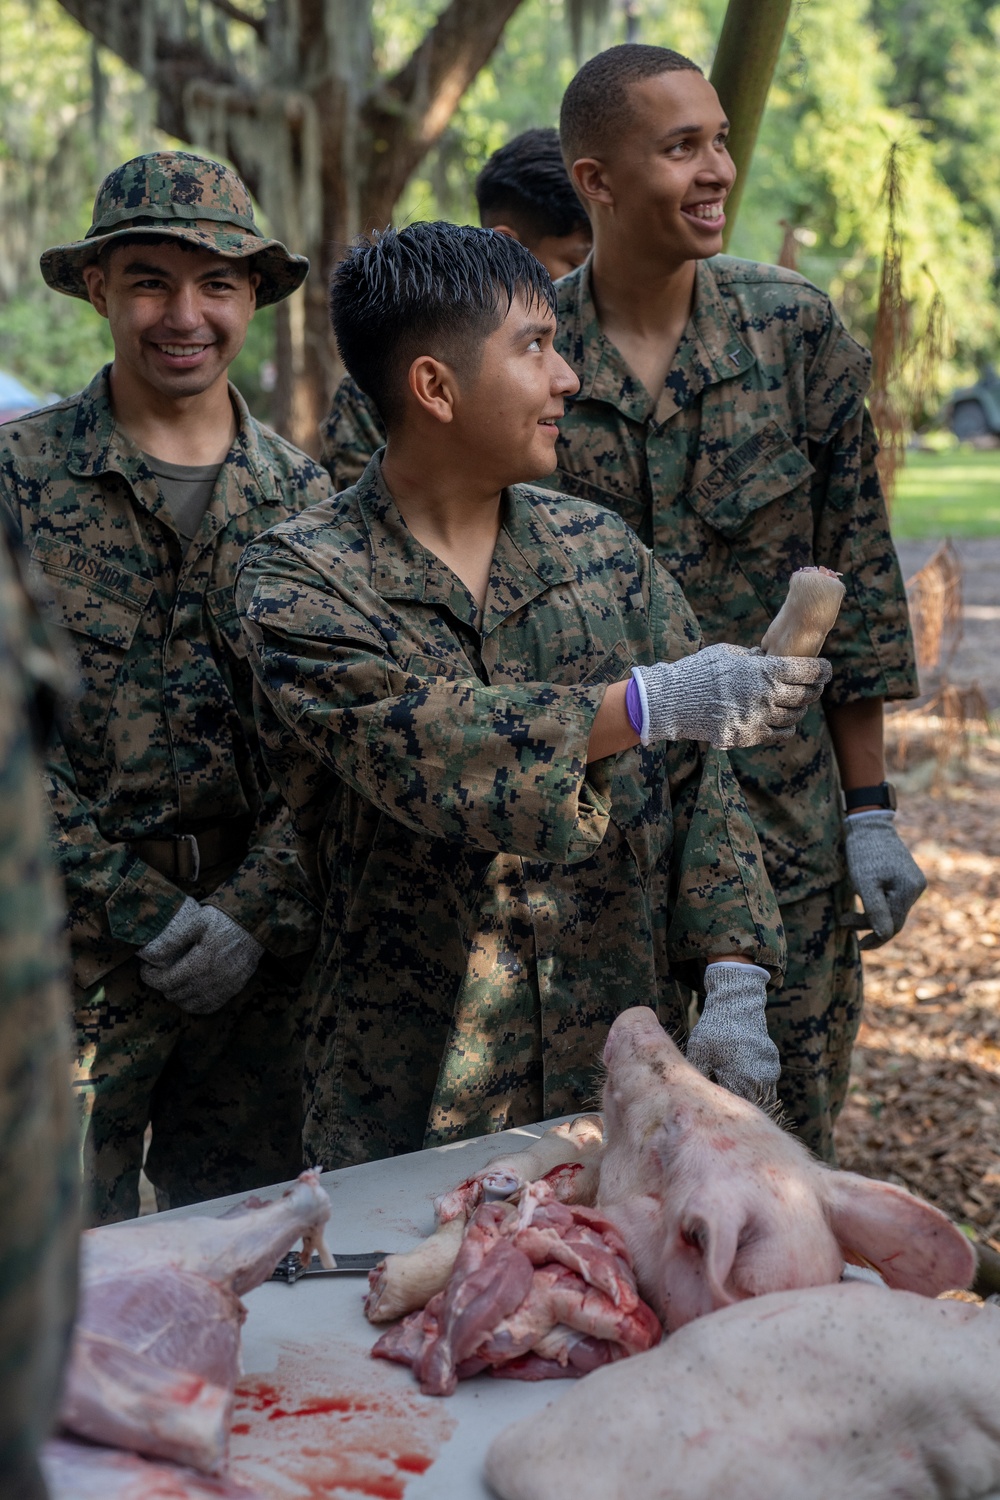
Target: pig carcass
x=155, y=1353
x=716, y=1203
x=539, y=1289
x=568, y=1156
x=844, y=1392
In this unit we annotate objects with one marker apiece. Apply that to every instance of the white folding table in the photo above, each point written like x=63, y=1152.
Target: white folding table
x=316, y=1416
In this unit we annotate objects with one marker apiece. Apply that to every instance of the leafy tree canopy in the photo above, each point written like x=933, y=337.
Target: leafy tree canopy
x=854, y=76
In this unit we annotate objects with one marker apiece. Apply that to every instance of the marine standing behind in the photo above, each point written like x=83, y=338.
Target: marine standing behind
x=189, y=916
x=721, y=412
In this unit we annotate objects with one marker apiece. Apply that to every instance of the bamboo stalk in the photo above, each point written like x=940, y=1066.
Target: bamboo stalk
x=745, y=60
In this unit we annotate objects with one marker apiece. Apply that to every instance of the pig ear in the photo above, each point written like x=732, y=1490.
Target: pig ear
x=914, y=1246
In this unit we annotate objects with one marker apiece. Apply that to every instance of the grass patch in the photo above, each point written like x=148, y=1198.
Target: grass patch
x=954, y=493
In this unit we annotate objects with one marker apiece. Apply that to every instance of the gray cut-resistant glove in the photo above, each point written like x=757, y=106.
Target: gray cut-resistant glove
x=730, y=1042
x=883, y=872
x=201, y=959
x=729, y=695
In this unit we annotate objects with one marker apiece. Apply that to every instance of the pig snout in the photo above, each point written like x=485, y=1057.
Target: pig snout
x=630, y=1030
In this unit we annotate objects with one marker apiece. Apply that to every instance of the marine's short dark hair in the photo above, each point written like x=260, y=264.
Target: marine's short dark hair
x=525, y=184
x=595, y=108
x=437, y=289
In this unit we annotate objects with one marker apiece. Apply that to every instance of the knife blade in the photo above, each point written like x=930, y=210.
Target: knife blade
x=290, y=1268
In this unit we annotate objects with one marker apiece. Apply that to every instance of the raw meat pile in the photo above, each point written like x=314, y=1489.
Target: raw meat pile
x=568, y=1155
x=831, y=1393
x=539, y=1289
x=156, y=1349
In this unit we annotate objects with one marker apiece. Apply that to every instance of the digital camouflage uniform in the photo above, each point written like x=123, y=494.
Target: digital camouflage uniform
x=162, y=742
x=757, y=459
x=38, y=1171
x=491, y=902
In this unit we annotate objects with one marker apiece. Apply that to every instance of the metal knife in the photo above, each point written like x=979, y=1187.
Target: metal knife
x=290, y=1268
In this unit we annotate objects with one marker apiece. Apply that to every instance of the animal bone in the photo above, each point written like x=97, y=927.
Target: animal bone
x=808, y=614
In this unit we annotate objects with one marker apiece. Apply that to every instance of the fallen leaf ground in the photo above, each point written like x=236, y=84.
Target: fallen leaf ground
x=924, y=1104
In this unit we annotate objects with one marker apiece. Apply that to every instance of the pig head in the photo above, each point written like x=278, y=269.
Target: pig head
x=716, y=1203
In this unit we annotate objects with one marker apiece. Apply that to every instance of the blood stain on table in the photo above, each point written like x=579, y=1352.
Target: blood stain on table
x=324, y=1425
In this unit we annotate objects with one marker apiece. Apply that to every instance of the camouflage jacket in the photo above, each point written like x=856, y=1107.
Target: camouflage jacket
x=491, y=900
x=351, y=433
x=39, y=1155
x=758, y=458
x=161, y=739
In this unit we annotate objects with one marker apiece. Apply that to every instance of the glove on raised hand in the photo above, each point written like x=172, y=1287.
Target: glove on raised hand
x=883, y=872
x=728, y=695
x=730, y=1042
x=201, y=959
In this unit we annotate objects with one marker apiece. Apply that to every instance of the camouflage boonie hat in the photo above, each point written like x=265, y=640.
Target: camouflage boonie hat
x=188, y=197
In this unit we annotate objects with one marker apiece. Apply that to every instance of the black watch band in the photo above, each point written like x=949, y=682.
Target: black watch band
x=883, y=795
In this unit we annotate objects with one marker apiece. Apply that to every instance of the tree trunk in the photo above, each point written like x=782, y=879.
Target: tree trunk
x=745, y=60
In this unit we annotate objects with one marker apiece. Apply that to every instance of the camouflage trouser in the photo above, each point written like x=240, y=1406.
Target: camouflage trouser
x=814, y=1017
x=39, y=1227
x=223, y=1092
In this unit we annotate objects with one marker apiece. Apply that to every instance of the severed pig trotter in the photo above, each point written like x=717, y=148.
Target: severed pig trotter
x=568, y=1154
x=808, y=614
x=155, y=1353
x=716, y=1203
x=539, y=1289
x=833, y=1393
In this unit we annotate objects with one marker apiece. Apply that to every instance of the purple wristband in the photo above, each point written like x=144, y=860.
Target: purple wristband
x=633, y=705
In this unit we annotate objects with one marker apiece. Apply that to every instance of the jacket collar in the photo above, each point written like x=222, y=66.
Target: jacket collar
x=99, y=446
x=711, y=350
x=528, y=557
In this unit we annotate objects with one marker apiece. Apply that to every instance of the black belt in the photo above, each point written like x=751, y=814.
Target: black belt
x=185, y=855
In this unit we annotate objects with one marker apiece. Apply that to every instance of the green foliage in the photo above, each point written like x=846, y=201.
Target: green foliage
x=954, y=493
x=54, y=149
x=854, y=76
x=820, y=162
x=53, y=343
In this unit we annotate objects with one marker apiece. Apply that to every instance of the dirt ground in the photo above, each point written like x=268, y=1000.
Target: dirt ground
x=924, y=1106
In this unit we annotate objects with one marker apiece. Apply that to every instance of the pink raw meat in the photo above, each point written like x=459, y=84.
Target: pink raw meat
x=539, y=1289
x=155, y=1354
x=716, y=1203
x=77, y=1471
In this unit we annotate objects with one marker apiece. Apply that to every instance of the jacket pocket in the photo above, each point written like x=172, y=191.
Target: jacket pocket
x=101, y=605
x=222, y=611
x=763, y=468
x=633, y=507
x=614, y=666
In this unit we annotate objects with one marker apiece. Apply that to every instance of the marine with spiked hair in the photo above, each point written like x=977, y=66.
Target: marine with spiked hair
x=523, y=191
x=480, y=700
x=721, y=412
x=189, y=915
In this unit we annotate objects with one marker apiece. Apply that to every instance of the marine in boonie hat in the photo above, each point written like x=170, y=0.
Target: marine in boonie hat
x=186, y=197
